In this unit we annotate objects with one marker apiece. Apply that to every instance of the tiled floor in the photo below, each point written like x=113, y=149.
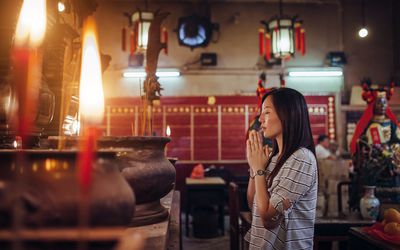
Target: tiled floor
x=192, y=243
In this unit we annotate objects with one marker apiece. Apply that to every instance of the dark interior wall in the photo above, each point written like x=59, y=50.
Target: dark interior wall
x=330, y=26
x=396, y=38
x=374, y=55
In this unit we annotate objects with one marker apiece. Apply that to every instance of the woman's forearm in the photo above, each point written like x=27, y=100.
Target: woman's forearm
x=262, y=196
x=266, y=212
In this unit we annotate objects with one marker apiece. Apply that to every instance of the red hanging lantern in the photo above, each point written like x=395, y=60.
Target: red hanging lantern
x=285, y=35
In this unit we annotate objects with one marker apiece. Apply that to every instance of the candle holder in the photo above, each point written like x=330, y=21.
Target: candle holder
x=50, y=191
x=143, y=164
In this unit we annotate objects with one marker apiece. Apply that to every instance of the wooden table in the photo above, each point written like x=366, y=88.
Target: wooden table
x=205, y=192
x=332, y=229
x=361, y=240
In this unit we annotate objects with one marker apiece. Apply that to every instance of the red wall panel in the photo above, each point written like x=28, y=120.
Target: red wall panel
x=194, y=123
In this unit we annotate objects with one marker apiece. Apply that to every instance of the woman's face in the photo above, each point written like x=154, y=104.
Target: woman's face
x=270, y=123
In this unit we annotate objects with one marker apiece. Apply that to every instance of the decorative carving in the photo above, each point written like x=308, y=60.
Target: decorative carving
x=151, y=86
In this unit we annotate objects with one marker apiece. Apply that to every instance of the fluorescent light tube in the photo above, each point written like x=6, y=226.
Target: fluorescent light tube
x=168, y=73
x=142, y=74
x=136, y=74
x=315, y=73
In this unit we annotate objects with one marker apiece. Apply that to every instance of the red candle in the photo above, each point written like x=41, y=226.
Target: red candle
x=27, y=60
x=88, y=146
x=91, y=100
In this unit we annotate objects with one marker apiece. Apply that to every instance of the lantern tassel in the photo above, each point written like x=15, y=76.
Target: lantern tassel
x=261, y=42
x=123, y=39
x=303, y=42
x=298, y=36
x=132, y=42
x=165, y=40
x=267, y=47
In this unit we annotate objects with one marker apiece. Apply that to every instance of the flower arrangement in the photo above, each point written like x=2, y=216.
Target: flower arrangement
x=377, y=164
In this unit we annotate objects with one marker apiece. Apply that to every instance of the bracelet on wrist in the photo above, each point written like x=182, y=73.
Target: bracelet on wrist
x=259, y=172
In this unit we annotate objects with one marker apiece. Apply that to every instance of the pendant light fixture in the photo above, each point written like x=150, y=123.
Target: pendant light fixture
x=363, y=32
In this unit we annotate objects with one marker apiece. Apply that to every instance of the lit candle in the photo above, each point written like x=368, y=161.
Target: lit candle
x=91, y=98
x=168, y=133
x=27, y=60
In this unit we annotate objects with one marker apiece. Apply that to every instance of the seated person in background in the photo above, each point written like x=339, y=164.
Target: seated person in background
x=322, y=149
x=334, y=149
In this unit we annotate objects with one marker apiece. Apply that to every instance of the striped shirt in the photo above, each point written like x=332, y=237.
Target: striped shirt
x=296, y=181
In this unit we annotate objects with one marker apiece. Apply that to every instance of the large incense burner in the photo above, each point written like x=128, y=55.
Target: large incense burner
x=46, y=188
x=148, y=172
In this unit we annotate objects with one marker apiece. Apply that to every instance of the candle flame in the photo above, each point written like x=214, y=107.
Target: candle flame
x=31, y=24
x=168, y=131
x=91, y=84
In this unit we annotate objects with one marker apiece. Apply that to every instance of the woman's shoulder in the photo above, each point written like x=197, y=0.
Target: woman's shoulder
x=300, y=166
x=303, y=155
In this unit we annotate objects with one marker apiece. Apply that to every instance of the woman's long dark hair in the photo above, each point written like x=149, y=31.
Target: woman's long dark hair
x=292, y=111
